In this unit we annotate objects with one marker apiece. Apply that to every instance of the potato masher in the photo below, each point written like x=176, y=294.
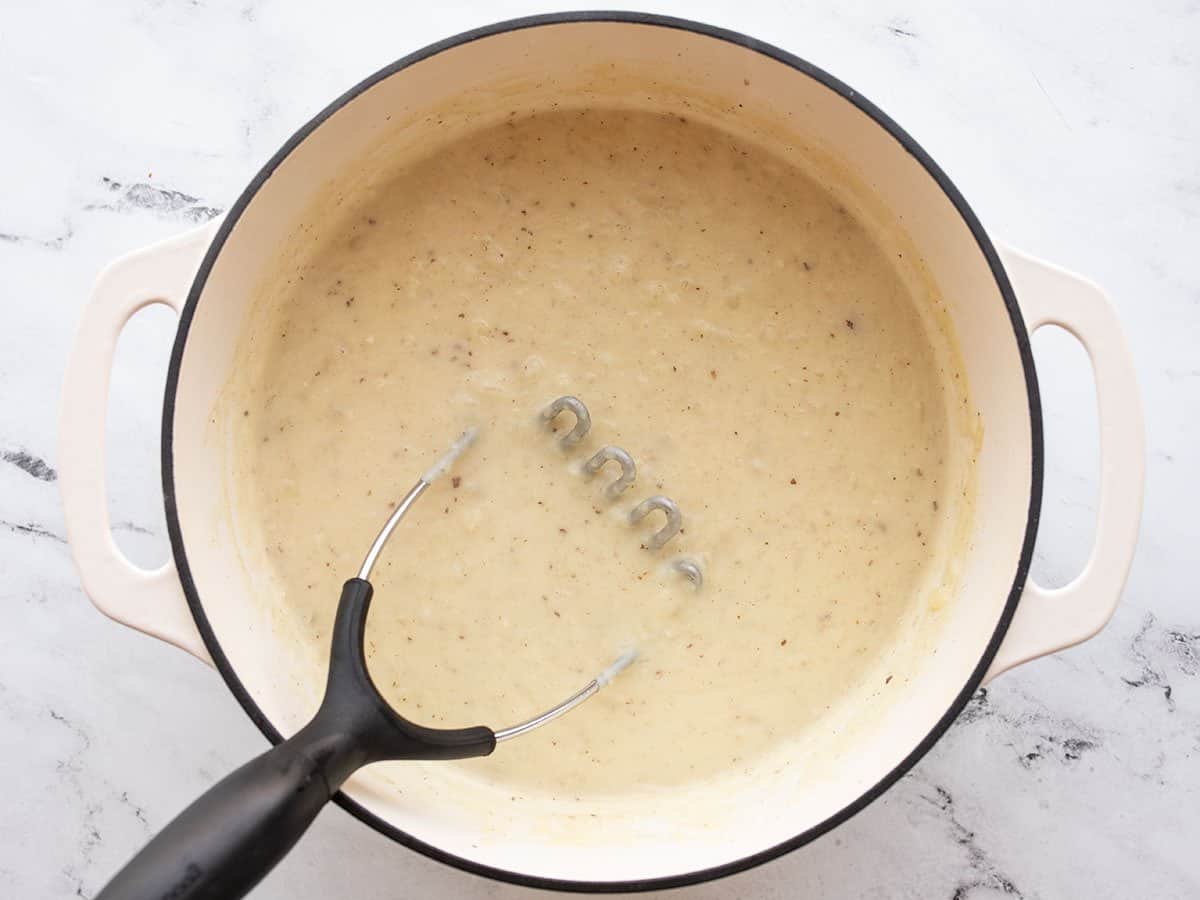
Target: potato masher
x=227, y=840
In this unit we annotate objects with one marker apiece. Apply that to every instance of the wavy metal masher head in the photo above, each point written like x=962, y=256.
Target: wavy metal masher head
x=464, y=441
x=673, y=525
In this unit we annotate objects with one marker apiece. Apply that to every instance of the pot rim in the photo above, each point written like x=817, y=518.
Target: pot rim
x=882, y=120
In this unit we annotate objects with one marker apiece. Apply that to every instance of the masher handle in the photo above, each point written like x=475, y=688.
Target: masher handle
x=226, y=841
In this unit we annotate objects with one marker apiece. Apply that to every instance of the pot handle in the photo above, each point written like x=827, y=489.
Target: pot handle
x=148, y=600
x=1050, y=619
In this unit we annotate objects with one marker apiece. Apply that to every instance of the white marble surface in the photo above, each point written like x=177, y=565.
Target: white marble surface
x=1073, y=130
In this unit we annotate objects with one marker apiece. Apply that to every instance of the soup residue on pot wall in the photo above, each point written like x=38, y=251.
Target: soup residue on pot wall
x=766, y=359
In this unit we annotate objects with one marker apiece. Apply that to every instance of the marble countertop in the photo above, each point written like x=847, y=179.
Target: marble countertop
x=1072, y=128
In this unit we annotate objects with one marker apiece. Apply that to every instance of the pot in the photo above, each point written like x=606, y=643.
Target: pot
x=995, y=298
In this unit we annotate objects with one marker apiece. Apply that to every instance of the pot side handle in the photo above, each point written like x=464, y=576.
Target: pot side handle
x=1048, y=619
x=151, y=601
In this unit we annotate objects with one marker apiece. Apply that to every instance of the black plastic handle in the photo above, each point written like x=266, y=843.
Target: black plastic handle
x=226, y=841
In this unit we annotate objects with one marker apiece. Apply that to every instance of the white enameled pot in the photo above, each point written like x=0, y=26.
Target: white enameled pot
x=996, y=298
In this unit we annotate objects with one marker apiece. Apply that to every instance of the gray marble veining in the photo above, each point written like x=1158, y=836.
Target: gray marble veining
x=1073, y=130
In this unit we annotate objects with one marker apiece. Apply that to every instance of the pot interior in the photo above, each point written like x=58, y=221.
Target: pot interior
x=798, y=114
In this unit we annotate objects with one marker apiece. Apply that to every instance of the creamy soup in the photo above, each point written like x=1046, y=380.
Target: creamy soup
x=769, y=361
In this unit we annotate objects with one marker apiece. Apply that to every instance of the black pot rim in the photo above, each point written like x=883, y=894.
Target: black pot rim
x=1019, y=331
